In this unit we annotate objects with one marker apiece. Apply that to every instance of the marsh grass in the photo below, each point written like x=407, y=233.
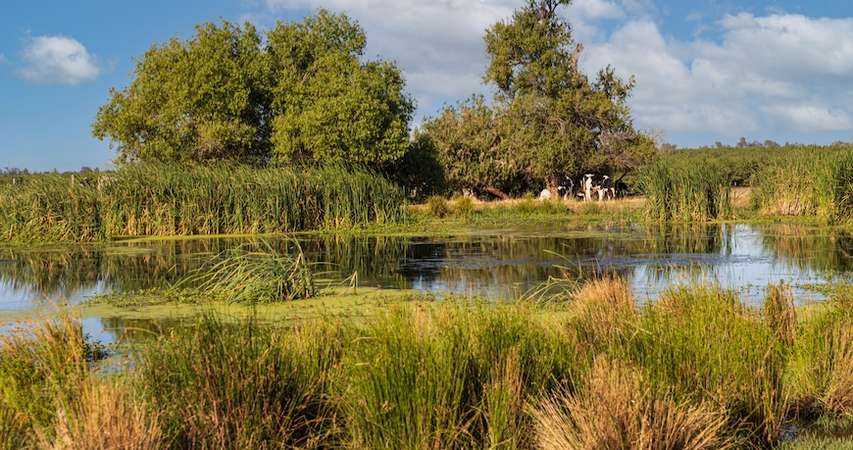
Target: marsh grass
x=818, y=185
x=256, y=275
x=615, y=411
x=696, y=369
x=105, y=416
x=42, y=369
x=161, y=200
x=438, y=206
x=686, y=192
x=239, y=385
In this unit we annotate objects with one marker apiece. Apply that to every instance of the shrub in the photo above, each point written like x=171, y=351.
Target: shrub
x=438, y=206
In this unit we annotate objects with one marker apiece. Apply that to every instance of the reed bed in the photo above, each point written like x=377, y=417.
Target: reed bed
x=695, y=370
x=686, y=192
x=162, y=200
x=819, y=185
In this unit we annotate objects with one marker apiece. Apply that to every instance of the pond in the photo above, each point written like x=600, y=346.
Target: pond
x=495, y=264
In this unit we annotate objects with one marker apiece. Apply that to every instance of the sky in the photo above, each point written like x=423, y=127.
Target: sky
x=706, y=70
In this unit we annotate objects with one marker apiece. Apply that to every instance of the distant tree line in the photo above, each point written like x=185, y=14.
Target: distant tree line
x=303, y=93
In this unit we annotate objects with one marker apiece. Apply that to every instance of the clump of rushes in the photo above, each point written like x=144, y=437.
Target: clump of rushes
x=438, y=206
x=702, y=343
x=615, y=411
x=41, y=369
x=780, y=314
x=686, y=193
x=240, y=385
x=821, y=370
x=463, y=206
x=819, y=184
x=160, y=200
x=265, y=275
x=105, y=416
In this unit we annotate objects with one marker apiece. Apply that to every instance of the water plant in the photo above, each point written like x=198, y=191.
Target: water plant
x=685, y=193
x=257, y=275
x=161, y=199
x=818, y=184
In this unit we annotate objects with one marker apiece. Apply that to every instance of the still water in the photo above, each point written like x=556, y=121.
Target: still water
x=496, y=264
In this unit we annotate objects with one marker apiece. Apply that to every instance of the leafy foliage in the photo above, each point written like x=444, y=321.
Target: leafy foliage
x=548, y=120
x=304, y=95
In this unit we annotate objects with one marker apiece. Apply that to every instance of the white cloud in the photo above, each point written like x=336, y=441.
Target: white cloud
x=764, y=75
x=439, y=43
x=759, y=75
x=58, y=59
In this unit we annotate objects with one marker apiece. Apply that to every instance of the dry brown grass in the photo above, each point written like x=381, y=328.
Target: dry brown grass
x=839, y=393
x=614, y=413
x=104, y=418
x=603, y=310
x=780, y=314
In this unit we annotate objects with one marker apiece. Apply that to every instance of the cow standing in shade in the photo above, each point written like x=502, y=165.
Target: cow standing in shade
x=609, y=188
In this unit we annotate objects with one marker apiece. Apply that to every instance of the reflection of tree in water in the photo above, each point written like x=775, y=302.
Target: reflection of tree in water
x=824, y=250
x=496, y=264
x=690, y=238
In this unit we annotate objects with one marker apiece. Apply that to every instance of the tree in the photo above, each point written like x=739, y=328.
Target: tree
x=468, y=142
x=304, y=96
x=328, y=105
x=198, y=100
x=548, y=119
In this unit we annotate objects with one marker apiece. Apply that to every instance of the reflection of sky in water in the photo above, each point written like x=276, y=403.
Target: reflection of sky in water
x=494, y=265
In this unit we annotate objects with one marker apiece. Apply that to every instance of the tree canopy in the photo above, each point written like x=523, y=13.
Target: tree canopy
x=548, y=120
x=302, y=94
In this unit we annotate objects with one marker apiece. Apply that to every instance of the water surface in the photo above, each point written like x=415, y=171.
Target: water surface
x=496, y=264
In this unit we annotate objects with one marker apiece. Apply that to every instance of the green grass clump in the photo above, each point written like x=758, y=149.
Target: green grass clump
x=438, y=206
x=163, y=200
x=239, y=385
x=463, y=206
x=685, y=193
x=818, y=185
x=266, y=275
x=41, y=369
x=703, y=344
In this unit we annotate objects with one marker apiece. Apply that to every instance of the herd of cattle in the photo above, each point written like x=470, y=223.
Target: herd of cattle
x=590, y=188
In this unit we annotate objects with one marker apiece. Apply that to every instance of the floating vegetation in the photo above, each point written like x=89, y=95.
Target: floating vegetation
x=265, y=275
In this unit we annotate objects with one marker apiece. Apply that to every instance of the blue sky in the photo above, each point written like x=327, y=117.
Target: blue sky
x=707, y=70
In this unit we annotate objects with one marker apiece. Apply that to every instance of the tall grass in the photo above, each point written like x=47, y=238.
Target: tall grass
x=695, y=370
x=685, y=192
x=158, y=200
x=818, y=185
x=41, y=369
x=265, y=275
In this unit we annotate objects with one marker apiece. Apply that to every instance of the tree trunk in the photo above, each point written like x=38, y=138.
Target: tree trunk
x=496, y=192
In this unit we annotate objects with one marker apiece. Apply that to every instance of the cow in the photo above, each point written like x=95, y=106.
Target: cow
x=609, y=188
x=587, y=187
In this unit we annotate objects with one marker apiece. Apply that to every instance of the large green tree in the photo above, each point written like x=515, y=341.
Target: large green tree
x=329, y=106
x=197, y=100
x=303, y=95
x=549, y=120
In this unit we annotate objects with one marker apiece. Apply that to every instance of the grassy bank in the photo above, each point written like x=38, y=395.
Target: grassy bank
x=166, y=200
x=591, y=369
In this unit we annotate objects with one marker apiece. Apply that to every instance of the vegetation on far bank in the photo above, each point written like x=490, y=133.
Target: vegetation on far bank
x=586, y=368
